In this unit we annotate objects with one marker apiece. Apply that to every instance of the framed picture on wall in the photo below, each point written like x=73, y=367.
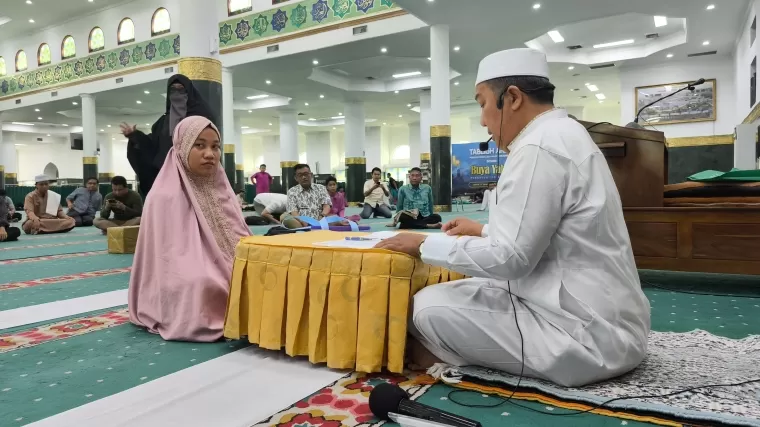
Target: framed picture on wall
x=688, y=106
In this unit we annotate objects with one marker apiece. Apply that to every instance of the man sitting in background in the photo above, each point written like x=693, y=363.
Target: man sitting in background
x=307, y=199
x=125, y=204
x=84, y=202
x=416, y=198
x=374, y=197
x=7, y=233
x=13, y=216
x=44, y=214
x=487, y=196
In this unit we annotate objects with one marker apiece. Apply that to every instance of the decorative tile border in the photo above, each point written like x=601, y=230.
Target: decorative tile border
x=296, y=17
x=49, y=245
x=96, y=65
x=60, y=279
x=51, y=258
x=62, y=330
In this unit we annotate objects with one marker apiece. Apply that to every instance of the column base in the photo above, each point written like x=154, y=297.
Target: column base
x=229, y=164
x=89, y=168
x=11, y=179
x=288, y=175
x=356, y=176
x=440, y=162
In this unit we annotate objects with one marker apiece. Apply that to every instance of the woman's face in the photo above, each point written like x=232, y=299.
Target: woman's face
x=205, y=154
x=332, y=187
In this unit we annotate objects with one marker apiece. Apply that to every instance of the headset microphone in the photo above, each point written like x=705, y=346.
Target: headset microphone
x=484, y=145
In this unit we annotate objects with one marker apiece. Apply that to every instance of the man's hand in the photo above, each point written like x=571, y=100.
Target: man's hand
x=127, y=130
x=407, y=243
x=35, y=225
x=3, y=234
x=463, y=227
x=70, y=204
x=119, y=206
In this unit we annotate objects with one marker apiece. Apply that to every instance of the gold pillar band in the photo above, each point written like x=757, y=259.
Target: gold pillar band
x=239, y=167
x=229, y=148
x=201, y=69
x=424, y=156
x=356, y=160
x=2, y=168
x=442, y=208
x=90, y=160
x=106, y=175
x=699, y=141
x=440, y=131
x=288, y=164
x=11, y=175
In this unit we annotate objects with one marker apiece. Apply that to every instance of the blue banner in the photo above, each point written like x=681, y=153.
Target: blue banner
x=472, y=169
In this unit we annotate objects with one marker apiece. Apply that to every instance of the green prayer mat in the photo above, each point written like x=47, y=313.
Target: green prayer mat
x=733, y=175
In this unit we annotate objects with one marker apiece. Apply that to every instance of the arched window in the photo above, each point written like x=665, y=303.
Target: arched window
x=21, y=64
x=126, y=31
x=161, y=23
x=97, y=40
x=43, y=55
x=68, y=48
x=236, y=7
x=3, y=70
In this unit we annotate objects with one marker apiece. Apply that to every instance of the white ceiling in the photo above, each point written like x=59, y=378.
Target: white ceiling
x=491, y=26
x=46, y=13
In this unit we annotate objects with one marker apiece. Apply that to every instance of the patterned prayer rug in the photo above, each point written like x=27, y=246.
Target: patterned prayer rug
x=676, y=361
x=346, y=402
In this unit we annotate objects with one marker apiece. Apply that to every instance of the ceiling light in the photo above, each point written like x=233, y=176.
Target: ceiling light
x=65, y=125
x=244, y=127
x=113, y=139
x=31, y=21
x=39, y=118
x=400, y=116
x=410, y=74
x=670, y=55
x=600, y=96
x=270, y=124
x=321, y=97
x=102, y=130
x=384, y=123
x=706, y=43
x=109, y=126
x=48, y=134
x=571, y=67
x=710, y=7
x=306, y=104
x=660, y=21
x=456, y=48
x=257, y=97
x=337, y=118
x=139, y=102
x=74, y=103
x=396, y=92
x=28, y=1
x=339, y=113
x=36, y=110
x=312, y=119
x=430, y=59
x=334, y=128
x=613, y=44
x=409, y=105
x=537, y=6
x=250, y=111
x=315, y=62
x=147, y=92
x=23, y=124
x=269, y=82
x=384, y=50
x=456, y=83
x=556, y=36
x=593, y=88
x=20, y=145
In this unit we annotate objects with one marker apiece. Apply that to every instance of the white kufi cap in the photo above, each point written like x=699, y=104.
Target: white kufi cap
x=511, y=63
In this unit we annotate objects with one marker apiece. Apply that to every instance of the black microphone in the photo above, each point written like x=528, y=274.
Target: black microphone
x=385, y=398
x=698, y=82
x=484, y=145
x=689, y=86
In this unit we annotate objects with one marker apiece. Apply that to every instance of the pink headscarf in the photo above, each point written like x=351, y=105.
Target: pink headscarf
x=185, y=250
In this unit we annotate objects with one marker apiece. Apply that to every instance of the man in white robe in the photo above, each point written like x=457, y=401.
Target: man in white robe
x=554, y=260
x=487, y=194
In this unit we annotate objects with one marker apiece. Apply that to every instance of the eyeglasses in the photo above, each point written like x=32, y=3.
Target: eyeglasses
x=303, y=175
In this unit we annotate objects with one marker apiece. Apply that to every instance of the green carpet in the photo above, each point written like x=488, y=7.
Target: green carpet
x=84, y=358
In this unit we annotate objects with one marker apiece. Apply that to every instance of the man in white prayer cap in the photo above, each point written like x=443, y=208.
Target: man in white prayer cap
x=552, y=273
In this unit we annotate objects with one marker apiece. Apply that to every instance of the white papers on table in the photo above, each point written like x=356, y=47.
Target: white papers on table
x=368, y=242
x=53, y=203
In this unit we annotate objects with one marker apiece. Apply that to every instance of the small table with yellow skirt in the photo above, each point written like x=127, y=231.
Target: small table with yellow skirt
x=344, y=307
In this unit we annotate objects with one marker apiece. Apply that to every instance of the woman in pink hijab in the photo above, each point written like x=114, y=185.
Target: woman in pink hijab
x=191, y=224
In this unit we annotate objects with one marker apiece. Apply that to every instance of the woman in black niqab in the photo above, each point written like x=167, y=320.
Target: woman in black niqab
x=146, y=153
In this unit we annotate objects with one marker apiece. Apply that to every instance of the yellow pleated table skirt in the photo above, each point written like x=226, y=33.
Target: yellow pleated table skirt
x=344, y=307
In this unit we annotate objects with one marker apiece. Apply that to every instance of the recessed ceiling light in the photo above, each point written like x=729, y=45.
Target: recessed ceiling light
x=147, y=92
x=250, y=111
x=31, y=21
x=147, y=124
x=710, y=7
x=337, y=118
x=244, y=127
x=537, y=6
x=660, y=21
x=593, y=88
x=340, y=114
x=269, y=82
x=312, y=119
x=571, y=67
x=270, y=124
x=37, y=110
x=102, y=130
x=600, y=96
x=306, y=104
x=670, y=55
x=556, y=36
x=75, y=103
x=430, y=59
x=28, y=1
x=384, y=123
x=409, y=74
x=109, y=126
x=409, y=105
x=113, y=139
x=257, y=97
x=334, y=128
x=396, y=92
x=613, y=44
x=139, y=102
x=456, y=48
x=384, y=50
x=456, y=83
x=48, y=134
x=400, y=116
x=321, y=97
x=706, y=43
x=39, y=118
x=315, y=62
x=65, y=125
x=22, y=124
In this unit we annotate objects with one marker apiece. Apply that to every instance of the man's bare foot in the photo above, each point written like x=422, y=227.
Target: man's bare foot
x=419, y=358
